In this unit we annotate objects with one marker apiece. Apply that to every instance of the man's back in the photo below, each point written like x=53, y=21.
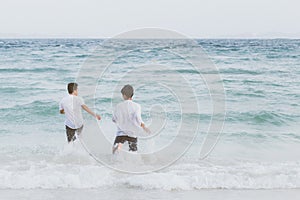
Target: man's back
x=72, y=107
x=127, y=116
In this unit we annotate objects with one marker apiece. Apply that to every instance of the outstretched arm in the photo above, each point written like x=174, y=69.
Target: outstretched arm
x=140, y=121
x=88, y=110
x=147, y=130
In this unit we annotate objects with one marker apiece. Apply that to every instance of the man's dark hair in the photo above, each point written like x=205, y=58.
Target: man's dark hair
x=127, y=90
x=72, y=87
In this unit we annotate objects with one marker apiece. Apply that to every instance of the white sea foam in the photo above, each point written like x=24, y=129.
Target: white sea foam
x=181, y=176
x=72, y=167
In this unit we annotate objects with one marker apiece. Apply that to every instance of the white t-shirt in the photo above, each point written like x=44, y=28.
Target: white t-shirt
x=72, y=107
x=127, y=116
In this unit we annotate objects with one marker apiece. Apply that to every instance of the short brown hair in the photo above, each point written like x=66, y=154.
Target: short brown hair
x=72, y=87
x=127, y=90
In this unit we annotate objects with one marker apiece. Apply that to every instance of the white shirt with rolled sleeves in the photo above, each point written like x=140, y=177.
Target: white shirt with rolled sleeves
x=71, y=104
x=127, y=116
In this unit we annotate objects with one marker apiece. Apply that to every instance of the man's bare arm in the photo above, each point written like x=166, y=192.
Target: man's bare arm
x=145, y=128
x=88, y=110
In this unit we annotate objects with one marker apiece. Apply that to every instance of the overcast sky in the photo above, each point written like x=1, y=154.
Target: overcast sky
x=106, y=18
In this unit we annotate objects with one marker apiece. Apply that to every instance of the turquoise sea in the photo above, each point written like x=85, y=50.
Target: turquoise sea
x=258, y=147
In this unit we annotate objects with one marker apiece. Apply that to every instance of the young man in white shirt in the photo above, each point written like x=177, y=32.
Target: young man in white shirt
x=71, y=106
x=127, y=116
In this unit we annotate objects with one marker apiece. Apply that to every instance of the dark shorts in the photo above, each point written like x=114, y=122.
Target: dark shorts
x=132, y=142
x=71, y=133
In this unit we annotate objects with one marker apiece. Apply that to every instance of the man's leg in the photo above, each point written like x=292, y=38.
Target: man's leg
x=132, y=142
x=118, y=143
x=70, y=134
x=79, y=130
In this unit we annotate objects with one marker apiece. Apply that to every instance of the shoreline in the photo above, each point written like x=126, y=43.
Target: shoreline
x=132, y=194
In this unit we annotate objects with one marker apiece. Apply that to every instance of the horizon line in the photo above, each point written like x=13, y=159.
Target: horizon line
x=107, y=38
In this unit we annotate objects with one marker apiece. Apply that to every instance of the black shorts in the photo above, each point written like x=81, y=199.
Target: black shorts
x=132, y=141
x=71, y=133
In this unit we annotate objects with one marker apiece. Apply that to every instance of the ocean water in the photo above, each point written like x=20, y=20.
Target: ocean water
x=258, y=147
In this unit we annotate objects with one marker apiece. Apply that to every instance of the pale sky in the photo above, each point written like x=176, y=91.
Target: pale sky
x=107, y=18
